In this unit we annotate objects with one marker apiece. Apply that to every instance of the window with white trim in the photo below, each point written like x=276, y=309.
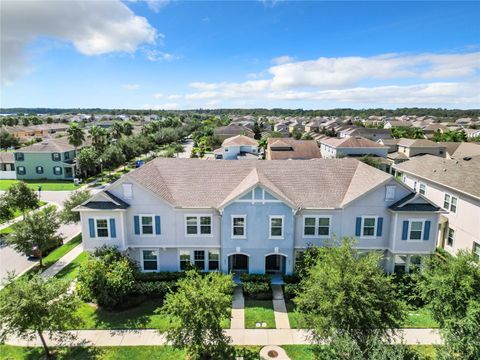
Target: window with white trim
x=390, y=192
x=476, y=250
x=150, y=260
x=316, y=226
x=213, y=260
x=450, y=203
x=422, y=188
x=198, y=225
x=146, y=224
x=450, y=237
x=416, y=230
x=127, y=191
x=276, y=227
x=102, y=228
x=184, y=259
x=238, y=226
x=369, y=226
x=199, y=259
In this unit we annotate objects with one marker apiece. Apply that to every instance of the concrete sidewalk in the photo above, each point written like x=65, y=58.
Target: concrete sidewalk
x=239, y=337
x=279, y=308
x=63, y=261
x=238, y=309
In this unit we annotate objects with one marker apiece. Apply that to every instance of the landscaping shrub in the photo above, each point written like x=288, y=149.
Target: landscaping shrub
x=257, y=290
x=155, y=289
x=291, y=279
x=290, y=290
x=407, y=287
x=255, y=278
x=160, y=276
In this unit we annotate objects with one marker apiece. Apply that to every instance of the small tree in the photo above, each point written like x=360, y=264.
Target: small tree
x=30, y=307
x=20, y=196
x=113, y=156
x=198, y=307
x=76, y=198
x=6, y=212
x=7, y=140
x=87, y=160
x=347, y=295
x=451, y=289
x=37, y=232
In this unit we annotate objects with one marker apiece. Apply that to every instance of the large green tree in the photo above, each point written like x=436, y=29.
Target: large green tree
x=38, y=231
x=7, y=140
x=87, y=161
x=98, y=136
x=76, y=198
x=198, y=307
x=35, y=306
x=20, y=196
x=344, y=294
x=76, y=136
x=451, y=288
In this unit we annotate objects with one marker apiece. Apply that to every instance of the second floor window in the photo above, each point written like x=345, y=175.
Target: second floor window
x=102, y=228
x=238, y=226
x=198, y=225
x=368, y=226
x=450, y=203
x=67, y=156
x=56, y=156
x=147, y=225
x=276, y=227
x=316, y=226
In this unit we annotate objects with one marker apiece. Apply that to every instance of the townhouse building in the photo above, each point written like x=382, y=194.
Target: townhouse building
x=351, y=146
x=257, y=216
x=454, y=185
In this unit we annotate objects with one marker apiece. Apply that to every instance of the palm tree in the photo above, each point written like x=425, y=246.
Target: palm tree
x=76, y=137
x=98, y=136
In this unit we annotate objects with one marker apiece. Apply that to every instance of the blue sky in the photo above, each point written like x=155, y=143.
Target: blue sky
x=181, y=55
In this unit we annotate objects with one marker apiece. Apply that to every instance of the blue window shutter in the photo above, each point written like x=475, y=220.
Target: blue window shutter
x=358, y=226
x=379, y=226
x=405, y=230
x=91, y=225
x=426, y=231
x=113, y=230
x=136, y=223
x=158, y=229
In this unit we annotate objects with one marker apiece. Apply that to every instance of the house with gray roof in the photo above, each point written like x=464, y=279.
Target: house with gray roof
x=7, y=165
x=351, y=146
x=257, y=216
x=454, y=185
x=239, y=147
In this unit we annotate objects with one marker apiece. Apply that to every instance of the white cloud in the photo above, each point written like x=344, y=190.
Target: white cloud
x=131, y=86
x=284, y=59
x=156, y=55
x=158, y=96
x=157, y=5
x=167, y=106
x=93, y=27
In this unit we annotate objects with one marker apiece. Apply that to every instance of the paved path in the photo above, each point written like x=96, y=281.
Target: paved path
x=63, y=261
x=239, y=337
x=187, y=149
x=279, y=308
x=238, y=309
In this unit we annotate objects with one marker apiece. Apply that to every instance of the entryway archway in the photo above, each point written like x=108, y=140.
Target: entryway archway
x=238, y=263
x=275, y=264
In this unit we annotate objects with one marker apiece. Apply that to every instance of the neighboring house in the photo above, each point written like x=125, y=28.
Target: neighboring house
x=225, y=132
x=472, y=133
x=431, y=129
x=415, y=147
x=391, y=144
x=373, y=134
x=256, y=216
x=7, y=166
x=51, y=159
x=238, y=147
x=351, y=146
x=455, y=186
x=460, y=150
x=396, y=123
x=288, y=148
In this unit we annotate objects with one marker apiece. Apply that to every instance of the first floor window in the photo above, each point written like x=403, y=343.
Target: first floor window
x=39, y=169
x=368, y=228
x=199, y=259
x=476, y=250
x=57, y=170
x=184, y=260
x=450, y=237
x=213, y=260
x=276, y=227
x=416, y=229
x=299, y=255
x=102, y=228
x=147, y=225
x=21, y=170
x=150, y=260
x=238, y=226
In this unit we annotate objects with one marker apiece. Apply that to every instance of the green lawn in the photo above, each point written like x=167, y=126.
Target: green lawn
x=259, y=311
x=47, y=185
x=306, y=352
x=112, y=353
x=420, y=318
x=18, y=213
x=293, y=316
x=70, y=271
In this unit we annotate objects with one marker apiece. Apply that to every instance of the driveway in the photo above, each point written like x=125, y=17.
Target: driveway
x=187, y=147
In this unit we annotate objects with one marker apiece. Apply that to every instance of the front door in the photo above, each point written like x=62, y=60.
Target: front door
x=238, y=263
x=275, y=264
x=68, y=172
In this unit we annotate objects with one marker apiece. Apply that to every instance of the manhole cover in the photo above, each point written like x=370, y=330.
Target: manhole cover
x=272, y=354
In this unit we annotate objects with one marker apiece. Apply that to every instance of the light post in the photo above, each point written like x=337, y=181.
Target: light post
x=101, y=168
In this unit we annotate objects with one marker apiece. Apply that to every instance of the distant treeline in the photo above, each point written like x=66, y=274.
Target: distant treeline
x=364, y=113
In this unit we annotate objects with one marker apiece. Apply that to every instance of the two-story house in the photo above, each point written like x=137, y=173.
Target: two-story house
x=455, y=186
x=257, y=216
x=51, y=159
x=351, y=146
x=236, y=148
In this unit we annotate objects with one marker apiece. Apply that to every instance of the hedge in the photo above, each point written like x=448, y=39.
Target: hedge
x=255, y=278
x=257, y=290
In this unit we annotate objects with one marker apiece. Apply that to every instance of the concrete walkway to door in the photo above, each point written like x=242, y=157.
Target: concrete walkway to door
x=279, y=308
x=238, y=309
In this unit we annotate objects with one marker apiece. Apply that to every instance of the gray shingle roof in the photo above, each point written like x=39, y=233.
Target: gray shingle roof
x=316, y=183
x=460, y=175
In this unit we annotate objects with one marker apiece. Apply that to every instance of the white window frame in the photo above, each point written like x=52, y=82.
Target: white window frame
x=317, y=224
x=205, y=258
x=198, y=216
x=140, y=216
x=244, y=236
x=270, y=218
x=476, y=253
x=410, y=229
x=127, y=190
x=389, y=188
x=108, y=228
x=448, y=236
x=156, y=252
x=449, y=202
x=362, y=236
x=424, y=188
x=208, y=259
x=184, y=252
